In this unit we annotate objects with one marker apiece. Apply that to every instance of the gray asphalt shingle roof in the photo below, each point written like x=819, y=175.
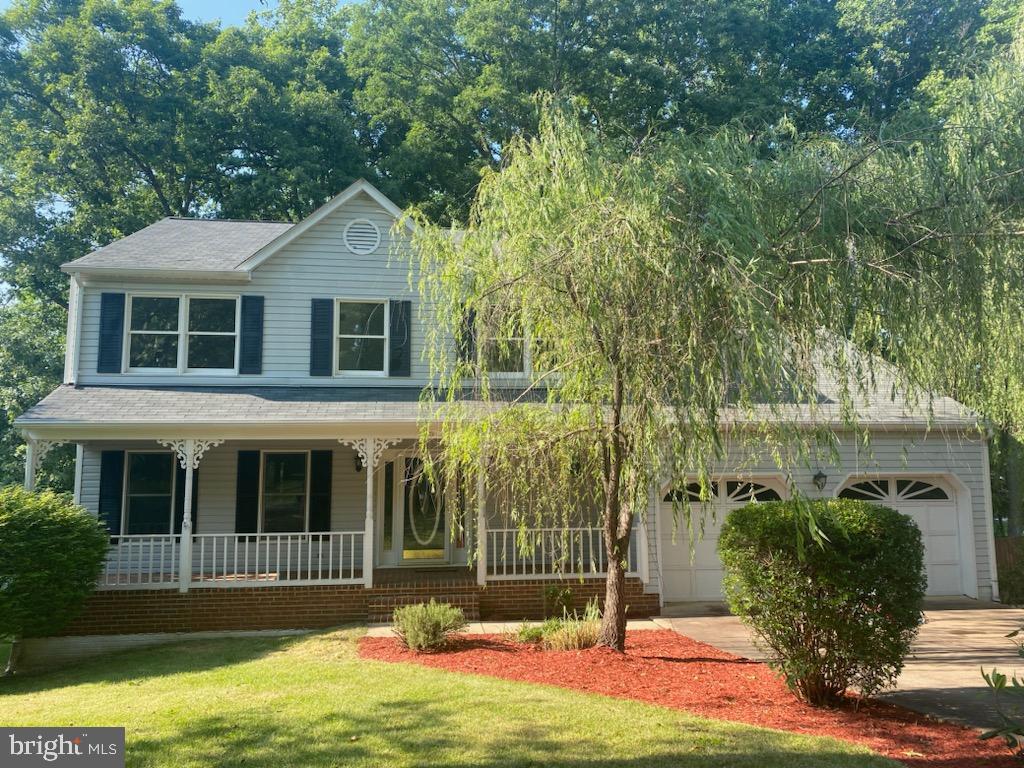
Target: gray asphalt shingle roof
x=187, y=244
x=110, y=405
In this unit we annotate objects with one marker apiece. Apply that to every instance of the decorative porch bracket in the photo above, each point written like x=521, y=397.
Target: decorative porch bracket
x=369, y=450
x=189, y=452
x=35, y=452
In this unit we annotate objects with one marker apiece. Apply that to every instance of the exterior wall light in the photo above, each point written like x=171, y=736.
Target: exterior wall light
x=819, y=480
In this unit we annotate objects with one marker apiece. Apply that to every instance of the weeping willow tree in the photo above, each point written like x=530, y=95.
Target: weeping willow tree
x=671, y=299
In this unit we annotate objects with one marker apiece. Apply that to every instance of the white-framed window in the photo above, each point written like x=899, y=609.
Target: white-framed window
x=361, y=336
x=508, y=356
x=284, y=491
x=182, y=333
x=149, y=489
x=154, y=332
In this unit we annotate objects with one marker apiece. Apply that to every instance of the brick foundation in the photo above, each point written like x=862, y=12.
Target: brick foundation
x=515, y=600
x=116, y=612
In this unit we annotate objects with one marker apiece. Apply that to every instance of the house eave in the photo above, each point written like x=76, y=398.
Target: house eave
x=144, y=275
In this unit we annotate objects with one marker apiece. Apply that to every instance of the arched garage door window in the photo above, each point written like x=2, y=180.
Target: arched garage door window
x=735, y=492
x=894, y=489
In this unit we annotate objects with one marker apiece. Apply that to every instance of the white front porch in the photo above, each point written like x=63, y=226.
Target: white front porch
x=380, y=521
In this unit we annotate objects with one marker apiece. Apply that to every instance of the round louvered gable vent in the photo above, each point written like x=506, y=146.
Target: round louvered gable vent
x=362, y=236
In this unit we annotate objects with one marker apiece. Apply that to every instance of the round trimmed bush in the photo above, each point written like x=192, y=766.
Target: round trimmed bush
x=51, y=553
x=833, y=616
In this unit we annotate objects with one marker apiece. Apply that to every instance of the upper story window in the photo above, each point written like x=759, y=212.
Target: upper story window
x=183, y=333
x=507, y=354
x=153, y=334
x=362, y=336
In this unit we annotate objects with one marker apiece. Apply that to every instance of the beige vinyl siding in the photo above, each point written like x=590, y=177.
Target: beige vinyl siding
x=316, y=265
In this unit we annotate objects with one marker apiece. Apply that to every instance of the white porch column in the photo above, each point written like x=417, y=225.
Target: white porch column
x=370, y=450
x=189, y=452
x=644, y=564
x=481, y=527
x=35, y=452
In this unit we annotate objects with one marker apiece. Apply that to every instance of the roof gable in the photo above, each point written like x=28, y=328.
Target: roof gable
x=319, y=215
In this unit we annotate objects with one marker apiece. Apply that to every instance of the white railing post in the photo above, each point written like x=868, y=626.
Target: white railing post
x=370, y=450
x=190, y=453
x=30, y=464
x=368, y=529
x=481, y=527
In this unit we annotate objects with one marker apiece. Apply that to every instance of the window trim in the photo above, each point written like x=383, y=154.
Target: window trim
x=263, y=460
x=125, y=491
x=525, y=371
x=337, y=336
x=183, y=333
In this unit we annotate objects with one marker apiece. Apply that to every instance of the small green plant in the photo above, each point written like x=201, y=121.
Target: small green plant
x=427, y=626
x=834, y=616
x=529, y=633
x=557, y=601
x=51, y=554
x=1011, y=727
x=573, y=632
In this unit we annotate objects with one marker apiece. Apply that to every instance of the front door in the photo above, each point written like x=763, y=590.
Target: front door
x=423, y=517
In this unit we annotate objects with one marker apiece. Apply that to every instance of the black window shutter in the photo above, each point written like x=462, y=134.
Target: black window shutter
x=467, y=341
x=247, y=492
x=320, y=490
x=400, y=338
x=250, y=353
x=179, y=496
x=108, y=359
x=111, y=490
x=321, y=329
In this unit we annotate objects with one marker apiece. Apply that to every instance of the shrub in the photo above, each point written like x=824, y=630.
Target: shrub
x=1011, y=726
x=427, y=626
x=51, y=554
x=557, y=600
x=834, y=616
x=573, y=632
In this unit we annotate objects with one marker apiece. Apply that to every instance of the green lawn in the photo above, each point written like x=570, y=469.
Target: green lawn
x=310, y=701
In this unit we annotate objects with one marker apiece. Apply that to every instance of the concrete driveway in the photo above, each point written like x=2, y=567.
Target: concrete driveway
x=942, y=677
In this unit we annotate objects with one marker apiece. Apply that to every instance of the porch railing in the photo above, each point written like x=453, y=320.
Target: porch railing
x=235, y=560
x=142, y=561
x=545, y=552
x=295, y=558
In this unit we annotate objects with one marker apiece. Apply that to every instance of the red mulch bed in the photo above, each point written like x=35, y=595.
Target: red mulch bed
x=662, y=667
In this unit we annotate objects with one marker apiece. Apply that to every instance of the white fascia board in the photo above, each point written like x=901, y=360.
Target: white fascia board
x=321, y=213
x=145, y=275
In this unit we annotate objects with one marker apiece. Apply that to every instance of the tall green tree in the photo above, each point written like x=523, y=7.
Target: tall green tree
x=446, y=86
x=671, y=290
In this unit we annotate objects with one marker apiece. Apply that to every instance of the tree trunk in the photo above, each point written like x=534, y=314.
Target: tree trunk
x=12, y=660
x=613, y=621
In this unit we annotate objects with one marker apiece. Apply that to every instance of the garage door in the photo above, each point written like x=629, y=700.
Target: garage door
x=701, y=577
x=932, y=505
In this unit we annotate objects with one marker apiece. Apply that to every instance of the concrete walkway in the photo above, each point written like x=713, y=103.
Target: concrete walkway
x=943, y=675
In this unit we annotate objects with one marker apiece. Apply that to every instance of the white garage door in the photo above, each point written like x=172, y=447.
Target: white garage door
x=932, y=505
x=701, y=577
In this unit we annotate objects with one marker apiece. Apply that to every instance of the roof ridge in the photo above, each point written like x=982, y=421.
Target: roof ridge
x=231, y=221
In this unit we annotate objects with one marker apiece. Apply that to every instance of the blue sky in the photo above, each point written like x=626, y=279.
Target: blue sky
x=228, y=11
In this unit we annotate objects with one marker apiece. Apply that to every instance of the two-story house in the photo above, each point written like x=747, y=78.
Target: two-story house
x=265, y=378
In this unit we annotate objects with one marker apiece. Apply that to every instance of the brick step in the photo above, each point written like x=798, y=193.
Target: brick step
x=379, y=608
